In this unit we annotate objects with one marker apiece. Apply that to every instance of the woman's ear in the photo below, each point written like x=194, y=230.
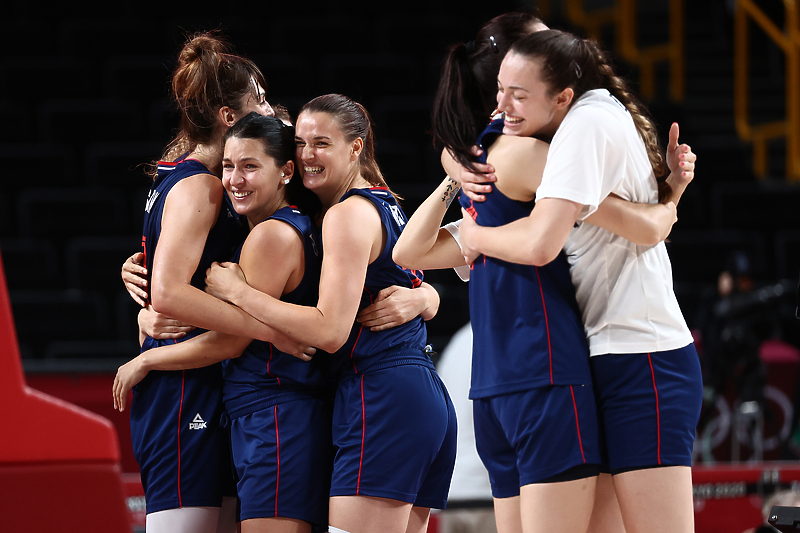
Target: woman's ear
x=355, y=148
x=564, y=98
x=226, y=116
x=287, y=171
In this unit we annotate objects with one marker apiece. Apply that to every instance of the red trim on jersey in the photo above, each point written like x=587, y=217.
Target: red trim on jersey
x=471, y=211
x=577, y=424
x=379, y=188
x=180, y=411
x=278, y=446
x=546, y=324
x=363, y=433
x=658, y=410
x=167, y=163
x=474, y=214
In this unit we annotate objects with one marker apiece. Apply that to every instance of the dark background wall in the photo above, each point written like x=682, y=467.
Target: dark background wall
x=84, y=103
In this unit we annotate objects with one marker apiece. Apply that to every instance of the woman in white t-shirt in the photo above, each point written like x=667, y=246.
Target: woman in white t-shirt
x=560, y=88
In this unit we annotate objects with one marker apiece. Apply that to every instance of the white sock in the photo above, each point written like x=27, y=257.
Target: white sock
x=332, y=529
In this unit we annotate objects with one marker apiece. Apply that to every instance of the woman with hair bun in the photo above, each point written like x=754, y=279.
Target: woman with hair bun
x=277, y=404
x=182, y=451
x=559, y=88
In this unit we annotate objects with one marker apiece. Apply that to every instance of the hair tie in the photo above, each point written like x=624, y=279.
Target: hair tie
x=577, y=68
x=494, y=44
x=470, y=47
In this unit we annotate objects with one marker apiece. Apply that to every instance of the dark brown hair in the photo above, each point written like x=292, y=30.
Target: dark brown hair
x=277, y=140
x=467, y=90
x=354, y=122
x=207, y=77
x=569, y=61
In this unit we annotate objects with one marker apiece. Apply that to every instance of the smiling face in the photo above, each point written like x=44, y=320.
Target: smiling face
x=525, y=98
x=327, y=160
x=253, y=179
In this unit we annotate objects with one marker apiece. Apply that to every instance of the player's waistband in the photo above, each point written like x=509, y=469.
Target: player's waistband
x=237, y=407
x=402, y=357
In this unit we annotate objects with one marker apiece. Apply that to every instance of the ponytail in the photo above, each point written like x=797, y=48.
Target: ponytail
x=467, y=92
x=641, y=119
x=459, y=110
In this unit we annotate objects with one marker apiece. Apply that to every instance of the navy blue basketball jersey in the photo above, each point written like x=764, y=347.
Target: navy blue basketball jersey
x=175, y=415
x=263, y=376
x=526, y=323
x=364, y=348
x=226, y=234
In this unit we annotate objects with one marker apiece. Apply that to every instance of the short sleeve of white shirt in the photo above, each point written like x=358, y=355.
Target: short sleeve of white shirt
x=586, y=157
x=463, y=270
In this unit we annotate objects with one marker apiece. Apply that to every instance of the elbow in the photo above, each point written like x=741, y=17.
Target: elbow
x=330, y=341
x=332, y=344
x=430, y=311
x=162, y=300
x=541, y=255
x=650, y=235
x=650, y=239
x=401, y=256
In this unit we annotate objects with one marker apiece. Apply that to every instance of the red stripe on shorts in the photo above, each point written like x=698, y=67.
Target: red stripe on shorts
x=278, y=447
x=577, y=424
x=658, y=411
x=363, y=433
x=180, y=410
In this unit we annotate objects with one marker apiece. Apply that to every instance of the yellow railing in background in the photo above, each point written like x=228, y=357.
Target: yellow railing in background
x=623, y=15
x=788, y=41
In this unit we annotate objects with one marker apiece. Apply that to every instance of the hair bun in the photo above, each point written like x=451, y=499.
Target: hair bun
x=202, y=44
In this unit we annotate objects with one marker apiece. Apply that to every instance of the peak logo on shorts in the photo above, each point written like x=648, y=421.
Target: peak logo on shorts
x=198, y=422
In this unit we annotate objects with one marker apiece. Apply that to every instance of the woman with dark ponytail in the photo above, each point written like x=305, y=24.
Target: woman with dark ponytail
x=646, y=374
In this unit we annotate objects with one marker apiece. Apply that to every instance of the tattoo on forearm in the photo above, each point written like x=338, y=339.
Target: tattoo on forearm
x=451, y=191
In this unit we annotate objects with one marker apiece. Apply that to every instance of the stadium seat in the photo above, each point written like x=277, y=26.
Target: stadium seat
x=65, y=212
x=31, y=263
x=94, y=262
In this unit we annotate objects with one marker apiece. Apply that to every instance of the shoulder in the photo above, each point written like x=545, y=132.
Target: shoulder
x=352, y=218
x=517, y=150
x=596, y=113
x=199, y=185
x=353, y=206
x=273, y=235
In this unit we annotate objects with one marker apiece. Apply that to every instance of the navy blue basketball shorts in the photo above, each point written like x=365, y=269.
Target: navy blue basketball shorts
x=648, y=406
x=183, y=453
x=394, y=431
x=530, y=436
x=283, y=458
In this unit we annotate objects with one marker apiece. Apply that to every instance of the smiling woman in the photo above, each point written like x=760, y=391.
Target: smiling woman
x=277, y=403
x=646, y=373
x=393, y=422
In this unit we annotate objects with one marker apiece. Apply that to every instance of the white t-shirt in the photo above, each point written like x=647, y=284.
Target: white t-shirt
x=452, y=227
x=624, y=290
x=470, y=478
